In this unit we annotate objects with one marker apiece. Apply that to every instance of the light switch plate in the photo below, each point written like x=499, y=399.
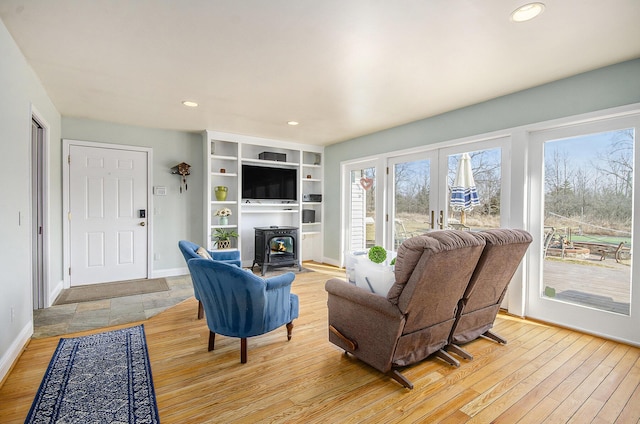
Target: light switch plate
x=160, y=191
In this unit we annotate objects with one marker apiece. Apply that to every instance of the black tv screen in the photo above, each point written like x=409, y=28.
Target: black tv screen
x=265, y=182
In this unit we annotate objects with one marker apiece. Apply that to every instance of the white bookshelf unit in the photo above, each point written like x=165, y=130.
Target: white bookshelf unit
x=225, y=154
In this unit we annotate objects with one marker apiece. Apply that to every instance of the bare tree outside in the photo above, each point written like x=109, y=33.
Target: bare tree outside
x=590, y=194
x=413, y=190
x=588, y=216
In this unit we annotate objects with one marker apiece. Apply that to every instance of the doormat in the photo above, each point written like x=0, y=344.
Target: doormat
x=111, y=290
x=104, y=377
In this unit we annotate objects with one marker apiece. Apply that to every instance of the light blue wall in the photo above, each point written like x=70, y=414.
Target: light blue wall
x=175, y=216
x=180, y=215
x=603, y=88
x=20, y=89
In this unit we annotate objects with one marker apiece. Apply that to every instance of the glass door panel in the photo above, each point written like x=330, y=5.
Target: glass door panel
x=363, y=223
x=474, y=189
x=413, y=183
x=583, y=273
x=588, y=216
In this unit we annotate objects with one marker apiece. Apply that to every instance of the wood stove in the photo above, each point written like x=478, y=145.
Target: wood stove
x=276, y=246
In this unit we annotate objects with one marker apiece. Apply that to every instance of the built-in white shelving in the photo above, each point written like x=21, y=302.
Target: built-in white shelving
x=225, y=155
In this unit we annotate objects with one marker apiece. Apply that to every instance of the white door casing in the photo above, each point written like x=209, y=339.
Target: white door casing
x=107, y=237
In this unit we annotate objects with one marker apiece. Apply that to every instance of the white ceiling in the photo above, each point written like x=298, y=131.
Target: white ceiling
x=342, y=68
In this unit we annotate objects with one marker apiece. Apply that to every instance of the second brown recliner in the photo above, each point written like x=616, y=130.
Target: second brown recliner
x=477, y=310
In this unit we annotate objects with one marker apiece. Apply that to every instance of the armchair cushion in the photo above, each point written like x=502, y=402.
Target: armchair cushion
x=191, y=250
x=229, y=256
x=203, y=253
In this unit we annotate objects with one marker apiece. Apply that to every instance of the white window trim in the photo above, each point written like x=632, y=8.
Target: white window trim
x=519, y=197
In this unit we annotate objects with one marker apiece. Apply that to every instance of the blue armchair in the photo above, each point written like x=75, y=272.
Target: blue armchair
x=190, y=251
x=241, y=304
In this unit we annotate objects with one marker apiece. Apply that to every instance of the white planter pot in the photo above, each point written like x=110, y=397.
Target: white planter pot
x=376, y=278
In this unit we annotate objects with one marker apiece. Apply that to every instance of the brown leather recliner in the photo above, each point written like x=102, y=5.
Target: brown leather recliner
x=480, y=304
x=415, y=320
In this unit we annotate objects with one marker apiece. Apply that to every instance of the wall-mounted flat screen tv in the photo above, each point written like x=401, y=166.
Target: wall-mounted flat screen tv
x=268, y=183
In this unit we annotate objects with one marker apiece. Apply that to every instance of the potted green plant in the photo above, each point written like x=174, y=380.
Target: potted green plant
x=377, y=254
x=223, y=237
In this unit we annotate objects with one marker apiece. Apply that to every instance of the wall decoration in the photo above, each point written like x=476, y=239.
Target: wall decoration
x=366, y=183
x=182, y=169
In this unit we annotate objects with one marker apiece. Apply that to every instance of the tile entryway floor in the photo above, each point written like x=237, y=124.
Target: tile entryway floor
x=73, y=317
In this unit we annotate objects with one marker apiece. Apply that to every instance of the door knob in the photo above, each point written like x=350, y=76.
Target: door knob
x=142, y=224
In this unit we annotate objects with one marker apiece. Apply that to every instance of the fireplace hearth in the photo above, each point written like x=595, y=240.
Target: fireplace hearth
x=276, y=247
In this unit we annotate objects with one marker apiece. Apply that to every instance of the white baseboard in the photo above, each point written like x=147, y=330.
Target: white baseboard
x=173, y=272
x=331, y=261
x=54, y=292
x=14, y=351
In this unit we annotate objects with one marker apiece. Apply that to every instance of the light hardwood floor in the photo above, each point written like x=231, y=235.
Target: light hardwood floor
x=544, y=374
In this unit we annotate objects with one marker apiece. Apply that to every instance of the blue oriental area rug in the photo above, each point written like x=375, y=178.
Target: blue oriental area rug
x=101, y=378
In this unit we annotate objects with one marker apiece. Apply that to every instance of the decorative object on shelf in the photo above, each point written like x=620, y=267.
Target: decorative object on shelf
x=223, y=215
x=182, y=169
x=221, y=192
x=309, y=176
x=279, y=157
x=222, y=170
x=308, y=216
x=312, y=197
x=317, y=159
x=223, y=237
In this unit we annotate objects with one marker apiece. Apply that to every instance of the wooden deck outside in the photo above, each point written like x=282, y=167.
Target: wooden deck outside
x=604, y=285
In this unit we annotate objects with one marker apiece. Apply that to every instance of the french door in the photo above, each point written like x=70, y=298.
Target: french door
x=390, y=199
x=584, y=274
x=420, y=187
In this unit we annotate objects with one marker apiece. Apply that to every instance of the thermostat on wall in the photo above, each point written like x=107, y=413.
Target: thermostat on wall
x=160, y=191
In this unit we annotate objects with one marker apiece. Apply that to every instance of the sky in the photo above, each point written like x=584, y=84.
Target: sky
x=582, y=149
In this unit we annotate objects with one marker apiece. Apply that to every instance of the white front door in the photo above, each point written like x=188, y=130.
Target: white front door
x=108, y=214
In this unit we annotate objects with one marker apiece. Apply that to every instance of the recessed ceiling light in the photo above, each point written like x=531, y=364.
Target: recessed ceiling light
x=189, y=103
x=527, y=12
x=293, y=123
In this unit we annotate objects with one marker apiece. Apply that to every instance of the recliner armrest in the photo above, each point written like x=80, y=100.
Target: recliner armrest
x=365, y=324
x=354, y=294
